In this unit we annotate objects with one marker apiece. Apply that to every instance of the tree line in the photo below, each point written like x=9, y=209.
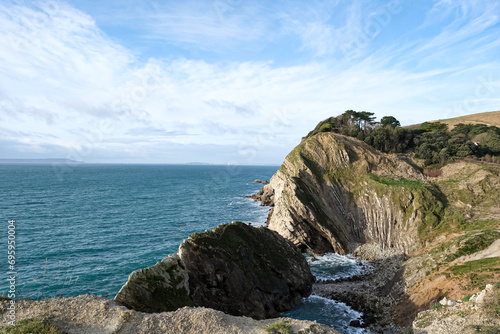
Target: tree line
x=432, y=142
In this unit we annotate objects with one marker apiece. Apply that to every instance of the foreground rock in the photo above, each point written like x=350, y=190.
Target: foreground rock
x=94, y=315
x=236, y=268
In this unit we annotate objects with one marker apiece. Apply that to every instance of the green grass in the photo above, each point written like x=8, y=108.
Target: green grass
x=282, y=327
x=402, y=182
x=491, y=264
x=475, y=243
x=34, y=326
x=467, y=298
x=437, y=306
x=479, y=224
x=421, y=324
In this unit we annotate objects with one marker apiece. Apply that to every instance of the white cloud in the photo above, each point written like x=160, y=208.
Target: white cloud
x=78, y=91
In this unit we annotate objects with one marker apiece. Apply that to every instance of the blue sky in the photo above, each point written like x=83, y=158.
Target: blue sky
x=231, y=81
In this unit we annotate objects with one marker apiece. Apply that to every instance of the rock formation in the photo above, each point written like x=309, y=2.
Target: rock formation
x=235, y=268
x=333, y=193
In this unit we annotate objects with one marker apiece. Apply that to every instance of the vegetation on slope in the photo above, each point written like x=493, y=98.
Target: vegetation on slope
x=28, y=326
x=432, y=142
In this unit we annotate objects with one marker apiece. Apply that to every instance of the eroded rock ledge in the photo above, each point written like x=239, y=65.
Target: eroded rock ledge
x=89, y=314
x=235, y=268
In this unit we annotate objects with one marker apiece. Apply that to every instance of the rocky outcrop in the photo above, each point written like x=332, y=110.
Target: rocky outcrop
x=235, y=268
x=265, y=195
x=333, y=193
x=478, y=314
x=89, y=314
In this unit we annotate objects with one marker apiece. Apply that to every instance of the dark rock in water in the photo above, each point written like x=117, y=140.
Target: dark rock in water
x=313, y=259
x=265, y=196
x=235, y=268
x=257, y=181
x=265, y=182
x=355, y=323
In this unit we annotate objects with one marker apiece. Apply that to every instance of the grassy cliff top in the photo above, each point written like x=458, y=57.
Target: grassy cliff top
x=491, y=118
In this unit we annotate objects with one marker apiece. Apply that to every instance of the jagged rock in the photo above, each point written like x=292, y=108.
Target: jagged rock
x=265, y=182
x=447, y=302
x=265, y=196
x=159, y=288
x=355, y=323
x=331, y=194
x=480, y=297
x=235, y=268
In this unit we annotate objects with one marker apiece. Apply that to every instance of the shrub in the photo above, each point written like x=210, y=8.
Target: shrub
x=282, y=327
x=325, y=128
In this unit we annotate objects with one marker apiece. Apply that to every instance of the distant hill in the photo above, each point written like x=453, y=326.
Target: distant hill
x=491, y=118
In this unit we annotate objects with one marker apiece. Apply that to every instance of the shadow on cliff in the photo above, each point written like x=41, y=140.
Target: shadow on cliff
x=403, y=310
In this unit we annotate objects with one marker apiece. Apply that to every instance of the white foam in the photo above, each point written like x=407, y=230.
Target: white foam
x=333, y=266
x=328, y=312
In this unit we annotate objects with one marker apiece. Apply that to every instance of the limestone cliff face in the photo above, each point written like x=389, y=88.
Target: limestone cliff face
x=334, y=192
x=235, y=268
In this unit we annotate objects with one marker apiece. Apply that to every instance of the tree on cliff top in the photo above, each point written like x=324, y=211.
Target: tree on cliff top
x=390, y=120
x=431, y=141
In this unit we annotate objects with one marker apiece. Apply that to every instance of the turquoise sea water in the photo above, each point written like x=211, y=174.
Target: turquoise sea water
x=89, y=227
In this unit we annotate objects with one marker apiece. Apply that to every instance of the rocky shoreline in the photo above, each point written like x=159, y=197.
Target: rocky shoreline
x=373, y=293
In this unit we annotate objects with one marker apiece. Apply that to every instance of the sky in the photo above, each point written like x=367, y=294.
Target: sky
x=231, y=81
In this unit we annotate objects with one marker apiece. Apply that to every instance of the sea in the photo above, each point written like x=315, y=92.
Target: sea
x=83, y=228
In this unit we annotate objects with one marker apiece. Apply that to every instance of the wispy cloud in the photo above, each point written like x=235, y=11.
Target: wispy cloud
x=67, y=86
x=215, y=26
